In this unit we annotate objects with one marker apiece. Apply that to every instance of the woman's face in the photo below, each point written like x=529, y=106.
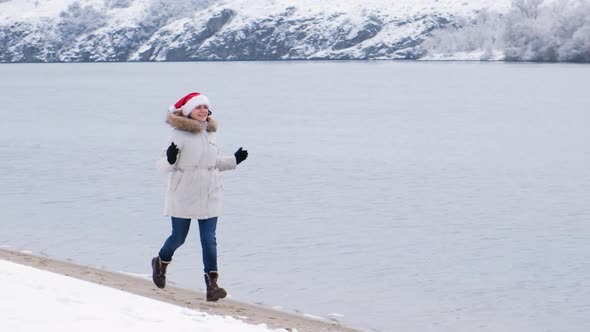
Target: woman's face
x=200, y=113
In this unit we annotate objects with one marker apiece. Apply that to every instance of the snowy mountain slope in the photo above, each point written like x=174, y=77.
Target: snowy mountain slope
x=156, y=30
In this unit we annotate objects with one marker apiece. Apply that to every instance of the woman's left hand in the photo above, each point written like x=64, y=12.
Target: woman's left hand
x=241, y=155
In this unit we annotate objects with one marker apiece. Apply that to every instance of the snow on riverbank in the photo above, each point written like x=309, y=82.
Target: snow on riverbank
x=36, y=300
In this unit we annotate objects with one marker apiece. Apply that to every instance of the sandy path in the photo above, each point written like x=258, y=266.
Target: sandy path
x=248, y=313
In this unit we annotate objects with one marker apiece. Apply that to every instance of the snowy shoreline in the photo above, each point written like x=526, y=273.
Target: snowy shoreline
x=184, y=298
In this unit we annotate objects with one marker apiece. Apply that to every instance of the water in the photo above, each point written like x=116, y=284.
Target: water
x=403, y=196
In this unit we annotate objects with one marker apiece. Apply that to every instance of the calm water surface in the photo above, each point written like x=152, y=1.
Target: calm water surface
x=403, y=196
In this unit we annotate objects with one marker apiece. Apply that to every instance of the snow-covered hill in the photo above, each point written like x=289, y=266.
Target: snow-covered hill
x=184, y=30
x=159, y=30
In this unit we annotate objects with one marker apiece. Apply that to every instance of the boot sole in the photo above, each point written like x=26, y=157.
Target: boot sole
x=218, y=296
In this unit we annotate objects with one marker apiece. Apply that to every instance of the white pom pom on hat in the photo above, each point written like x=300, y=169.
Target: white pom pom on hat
x=189, y=102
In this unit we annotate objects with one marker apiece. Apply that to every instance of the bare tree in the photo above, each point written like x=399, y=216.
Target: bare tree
x=529, y=8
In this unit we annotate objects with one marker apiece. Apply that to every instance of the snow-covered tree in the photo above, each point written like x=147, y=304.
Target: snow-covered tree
x=482, y=35
x=117, y=3
x=529, y=8
x=77, y=20
x=530, y=31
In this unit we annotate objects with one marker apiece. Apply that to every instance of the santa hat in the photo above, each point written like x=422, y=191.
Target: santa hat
x=189, y=102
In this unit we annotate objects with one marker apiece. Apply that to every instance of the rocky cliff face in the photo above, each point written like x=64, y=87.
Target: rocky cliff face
x=127, y=30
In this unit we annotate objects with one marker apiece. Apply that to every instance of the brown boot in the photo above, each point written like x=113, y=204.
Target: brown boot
x=214, y=292
x=159, y=272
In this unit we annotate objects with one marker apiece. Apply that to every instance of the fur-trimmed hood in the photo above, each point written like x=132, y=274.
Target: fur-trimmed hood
x=178, y=121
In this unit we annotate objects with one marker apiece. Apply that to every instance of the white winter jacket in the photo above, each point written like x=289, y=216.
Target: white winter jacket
x=194, y=184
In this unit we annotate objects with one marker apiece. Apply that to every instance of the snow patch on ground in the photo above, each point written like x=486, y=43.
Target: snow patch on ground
x=466, y=56
x=35, y=300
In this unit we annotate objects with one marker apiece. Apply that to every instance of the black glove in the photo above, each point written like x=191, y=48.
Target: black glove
x=172, y=153
x=241, y=155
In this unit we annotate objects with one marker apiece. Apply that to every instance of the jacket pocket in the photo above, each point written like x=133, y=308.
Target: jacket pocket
x=175, y=179
x=215, y=185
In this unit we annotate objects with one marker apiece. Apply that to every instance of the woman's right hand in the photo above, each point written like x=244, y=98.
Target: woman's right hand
x=172, y=153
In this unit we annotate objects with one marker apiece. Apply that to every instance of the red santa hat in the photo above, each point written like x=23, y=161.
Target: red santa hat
x=189, y=102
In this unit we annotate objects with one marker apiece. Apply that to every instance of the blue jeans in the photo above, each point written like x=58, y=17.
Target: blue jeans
x=180, y=227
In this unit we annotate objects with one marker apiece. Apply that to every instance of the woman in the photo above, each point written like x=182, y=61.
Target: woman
x=194, y=185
